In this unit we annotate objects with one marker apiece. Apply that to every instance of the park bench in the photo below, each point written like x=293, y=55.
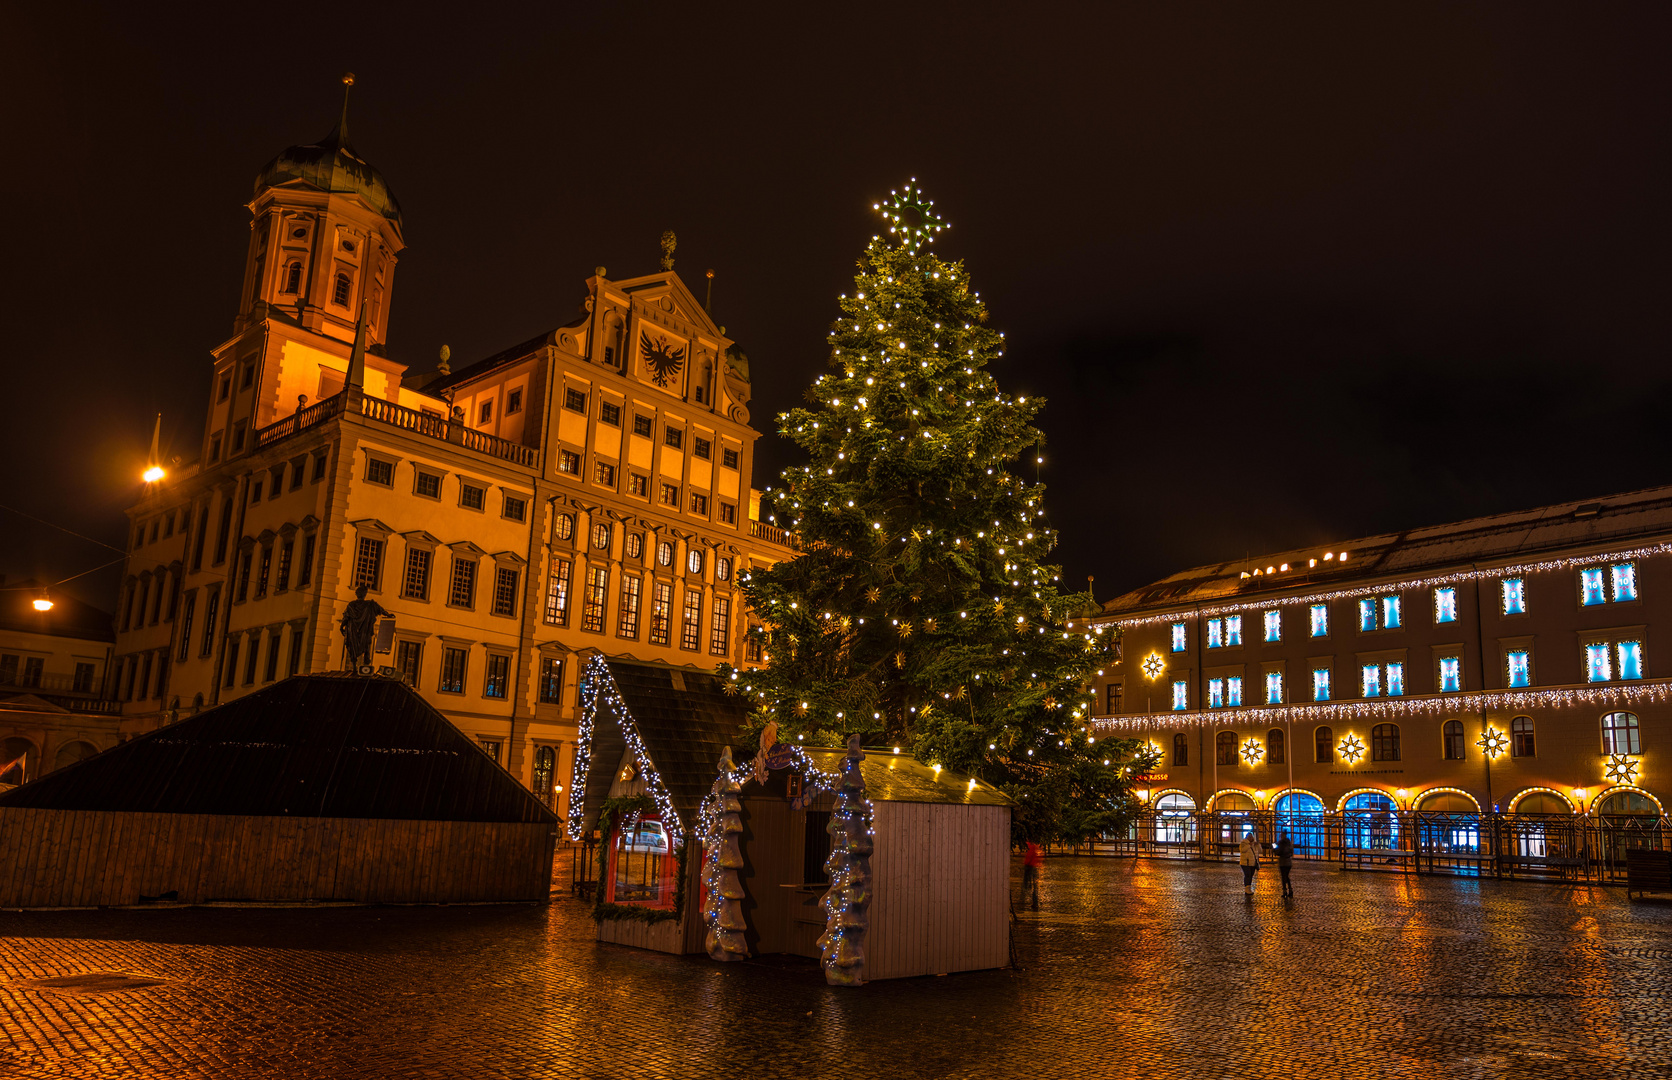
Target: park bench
x=1648, y=871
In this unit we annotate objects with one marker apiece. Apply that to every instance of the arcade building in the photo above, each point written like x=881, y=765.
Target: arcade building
x=1500, y=672
x=587, y=489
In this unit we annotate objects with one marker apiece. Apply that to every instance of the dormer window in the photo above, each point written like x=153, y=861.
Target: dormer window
x=339, y=295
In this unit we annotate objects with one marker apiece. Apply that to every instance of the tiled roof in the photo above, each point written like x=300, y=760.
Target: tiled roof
x=1615, y=519
x=498, y=359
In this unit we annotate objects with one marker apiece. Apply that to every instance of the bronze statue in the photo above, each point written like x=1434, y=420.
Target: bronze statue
x=359, y=623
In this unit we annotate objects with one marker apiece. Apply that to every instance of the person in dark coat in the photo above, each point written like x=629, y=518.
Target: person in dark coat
x=1286, y=862
x=1033, y=861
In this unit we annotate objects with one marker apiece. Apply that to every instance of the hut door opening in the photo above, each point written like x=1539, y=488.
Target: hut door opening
x=816, y=849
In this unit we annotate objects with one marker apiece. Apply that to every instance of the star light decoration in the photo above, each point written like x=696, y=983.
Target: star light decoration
x=1493, y=743
x=1154, y=666
x=1252, y=751
x=902, y=207
x=1351, y=749
x=1621, y=769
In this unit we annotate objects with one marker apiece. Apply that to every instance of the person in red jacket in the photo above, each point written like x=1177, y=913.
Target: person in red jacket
x=1033, y=861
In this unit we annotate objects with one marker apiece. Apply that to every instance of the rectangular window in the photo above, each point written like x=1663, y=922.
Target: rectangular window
x=505, y=590
x=551, y=681
x=719, y=627
x=514, y=509
x=1216, y=633
x=243, y=582
x=296, y=467
x=637, y=485
x=728, y=514
x=1630, y=655
x=462, y=591
x=428, y=485
x=592, y=607
x=1274, y=688
x=627, y=618
x=1274, y=625
x=415, y=583
x=231, y=662
x=484, y=412
x=513, y=402
x=452, y=670
x=1320, y=684
x=263, y=572
x=255, y=492
x=472, y=497
x=728, y=458
x=690, y=633
x=674, y=437
x=1598, y=666
x=1233, y=690
x=1370, y=680
x=298, y=637
x=238, y=436
x=568, y=461
x=557, y=593
x=1390, y=613
x=409, y=660
x=1518, y=665
x=661, y=612
x=1591, y=587
x=1216, y=693
x=574, y=400
x=643, y=425
x=1233, y=630
x=498, y=677
x=304, y=567
x=670, y=495
x=185, y=627
x=287, y=553
x=215, y=448
x=1445, y=605
x=1624, y=580
x=1366, y=615
x=1395, y=679
x=1451, y=674
x=368, y=563
x=273, y=644
x=610, y=413
x=1181, y=695
x=379, y=472
x=83, y=683
x=1320, y=620
x=211, y=611
x=1178, y=637
x=700, y=447
x=319, y=466
x=251, y=658
x=699, y=504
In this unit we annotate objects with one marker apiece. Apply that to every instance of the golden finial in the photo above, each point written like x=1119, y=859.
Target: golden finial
x=668, y=242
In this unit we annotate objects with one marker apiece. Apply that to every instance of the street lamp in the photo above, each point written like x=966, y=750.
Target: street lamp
x=43, y=604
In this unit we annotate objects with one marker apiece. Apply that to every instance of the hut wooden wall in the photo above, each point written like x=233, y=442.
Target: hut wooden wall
x=942, y=877
x=87, y=858
x=666, y=936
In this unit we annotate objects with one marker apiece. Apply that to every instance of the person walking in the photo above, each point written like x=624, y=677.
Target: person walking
x=1286, y=862
x=1249, y=856
x=1033, y=861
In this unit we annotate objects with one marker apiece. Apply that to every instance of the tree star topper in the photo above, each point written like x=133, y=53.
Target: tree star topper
x=911, y=217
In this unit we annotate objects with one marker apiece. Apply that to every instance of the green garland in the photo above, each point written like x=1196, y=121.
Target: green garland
x=608, y=814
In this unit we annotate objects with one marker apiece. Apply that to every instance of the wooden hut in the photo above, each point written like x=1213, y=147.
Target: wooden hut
x=876, y=864
x=320, y=787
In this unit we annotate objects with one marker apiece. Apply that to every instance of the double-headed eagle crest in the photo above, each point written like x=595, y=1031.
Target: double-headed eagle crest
x=663, y=361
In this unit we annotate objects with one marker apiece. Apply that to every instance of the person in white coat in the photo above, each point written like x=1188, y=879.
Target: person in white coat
x=1249, y=853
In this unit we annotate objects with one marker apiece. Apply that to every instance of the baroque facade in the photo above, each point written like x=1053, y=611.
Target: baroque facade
x=1505, y=665
x=53, y=662
x=585, y=489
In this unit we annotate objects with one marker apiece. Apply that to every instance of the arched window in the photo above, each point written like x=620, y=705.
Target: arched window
x=1181, y=749
x=1541, y=802
x=1275, y=748
x=1302, y=816
x=1234, y=802
x=545, y=764
x=563, y=527
x=1620, y=735
x=1371, y=821
x=293, y=278
x=72, y=752
x=1452, y=732
x=1384, y=742
x=1448, y=802
x=339, y=295
x=1634, y=803
x=1225, y=748
x=1324, y=746
x=1173, y=824
x=1521, y=736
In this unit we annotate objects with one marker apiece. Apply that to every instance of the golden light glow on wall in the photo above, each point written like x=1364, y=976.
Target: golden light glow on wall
x=1621, y=768
x=1153, y=666
x=153, y=474
x=1421, y=796
x=1351, y=749
x=43, y=604
x=1522, y=794
x=1493, y=743
x=1252, y=751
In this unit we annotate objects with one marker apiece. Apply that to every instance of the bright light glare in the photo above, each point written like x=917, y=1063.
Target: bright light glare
x=153, y=474
x=43, y=605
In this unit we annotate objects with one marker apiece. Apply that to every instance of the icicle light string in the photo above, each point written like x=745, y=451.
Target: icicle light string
x=1455, y=577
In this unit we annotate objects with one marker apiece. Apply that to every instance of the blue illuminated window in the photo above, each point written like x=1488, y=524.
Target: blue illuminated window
x=1181, y=694
x=1233, y=690
x=1366, y=615
x=1233, y=630
x=1598, y=668
x=1274, y=625
x=1274, y=688
x=1396, y=680
x=1519, y=664
x=1390, y=613
x=1216, y=693
x=1445, y=605
x=1590, y=587
x=1631, y=659
x=1178, y=637
x=1320, y=684
x=1514, y=592
x=1370, y=680
x=1451, y=674
x=1320, y=620
x=1624, y=580
x=1386, y=608
x=1216, y=633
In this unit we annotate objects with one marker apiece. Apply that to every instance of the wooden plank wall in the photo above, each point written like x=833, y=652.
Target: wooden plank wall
x=942, y=879
x=83, y=858
x=664, y=936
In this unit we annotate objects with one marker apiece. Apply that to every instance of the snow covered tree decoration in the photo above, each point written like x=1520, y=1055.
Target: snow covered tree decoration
x=847, y=902
x=722, y=859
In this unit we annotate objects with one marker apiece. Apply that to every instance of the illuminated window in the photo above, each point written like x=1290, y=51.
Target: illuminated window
x=1598, y=667
x=1591, y=590
x=1630, y=656
x=497, y=678
x=719, y=631
x=661, y=612
x=1513, y=591
x=690, y=632
x=1451, y=674
x=627, y=619
x=1518, y=668
x=1274, y=625
x=592, y=600
x=643, y=867
x=1216, y=633
x=1274, y=688
x=1624, y=580
x=1181, y=695
x=1390, y=613
x=1320, y=620
x=1233, y=630
x=1366, y=615
x=1233, y=690
x=1445, y=605
x=1178, y=637
x=1379, y=613
x=551, y=681
x=1395, y=679
x=452, y=671
x=415, y=584
x=1216, y=693
x=1370, y=680
x=1320, y=684
x=368, y=564
x=563, y=526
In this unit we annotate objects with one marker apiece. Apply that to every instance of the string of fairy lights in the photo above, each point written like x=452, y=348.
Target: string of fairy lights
x=598, y=690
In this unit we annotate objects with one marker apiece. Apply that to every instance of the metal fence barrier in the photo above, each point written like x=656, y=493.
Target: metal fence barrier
x=1543, y=847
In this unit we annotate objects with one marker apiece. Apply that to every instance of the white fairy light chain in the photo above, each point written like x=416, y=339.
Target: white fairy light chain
x=595, y=680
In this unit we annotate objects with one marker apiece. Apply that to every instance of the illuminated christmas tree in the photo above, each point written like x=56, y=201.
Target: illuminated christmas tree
x=920, y=610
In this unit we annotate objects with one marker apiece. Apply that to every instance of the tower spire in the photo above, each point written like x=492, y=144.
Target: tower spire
x=342, y=124
x=357, y=356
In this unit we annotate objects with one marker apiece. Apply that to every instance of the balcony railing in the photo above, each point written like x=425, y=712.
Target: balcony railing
x=58, y=689
x=772, y=534
x=431, y=425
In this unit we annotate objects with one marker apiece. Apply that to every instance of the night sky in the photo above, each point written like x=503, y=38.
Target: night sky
x=1287, y=274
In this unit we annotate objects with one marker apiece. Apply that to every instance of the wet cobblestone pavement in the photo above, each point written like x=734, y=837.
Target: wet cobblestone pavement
x=1146, y=969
